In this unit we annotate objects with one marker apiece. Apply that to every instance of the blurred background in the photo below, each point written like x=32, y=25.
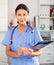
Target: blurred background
x=41, y=16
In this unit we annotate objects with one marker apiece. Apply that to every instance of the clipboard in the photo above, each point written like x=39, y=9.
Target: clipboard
x=41, y=44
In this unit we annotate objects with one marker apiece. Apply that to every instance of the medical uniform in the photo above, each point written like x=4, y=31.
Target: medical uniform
x=27, y=39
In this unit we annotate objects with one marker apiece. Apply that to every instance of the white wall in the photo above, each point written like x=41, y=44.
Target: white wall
x=3, y=15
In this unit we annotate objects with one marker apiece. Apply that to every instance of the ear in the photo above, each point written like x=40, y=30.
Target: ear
x=16, y=15
x=28, y=14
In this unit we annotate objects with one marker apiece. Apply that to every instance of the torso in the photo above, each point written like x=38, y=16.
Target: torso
x=24, y=39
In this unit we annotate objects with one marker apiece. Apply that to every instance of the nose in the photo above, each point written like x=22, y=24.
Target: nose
x=21, y=16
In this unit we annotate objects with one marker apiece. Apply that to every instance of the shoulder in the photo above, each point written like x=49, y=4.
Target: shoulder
x=10, y=29
x=30, y=28
x=33, y=29
x=36, y=29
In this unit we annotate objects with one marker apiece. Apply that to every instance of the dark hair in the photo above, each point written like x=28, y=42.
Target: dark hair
x=21, y=6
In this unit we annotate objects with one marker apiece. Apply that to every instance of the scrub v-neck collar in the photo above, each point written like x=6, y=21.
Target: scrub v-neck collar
x=23, y=31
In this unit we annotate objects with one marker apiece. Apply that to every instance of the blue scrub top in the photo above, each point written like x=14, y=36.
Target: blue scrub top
x=27, y=39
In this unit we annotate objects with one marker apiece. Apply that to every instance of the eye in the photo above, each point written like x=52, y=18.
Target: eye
x=19, y=14
x=24, y=14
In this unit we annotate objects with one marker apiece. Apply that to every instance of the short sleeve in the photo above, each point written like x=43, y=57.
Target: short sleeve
x=7, y=37
x=37, y=36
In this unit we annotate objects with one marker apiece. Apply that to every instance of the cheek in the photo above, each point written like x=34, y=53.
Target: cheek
x=18, y=18
x=26, y=18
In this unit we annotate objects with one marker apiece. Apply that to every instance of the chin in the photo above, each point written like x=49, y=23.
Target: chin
x=22, y=23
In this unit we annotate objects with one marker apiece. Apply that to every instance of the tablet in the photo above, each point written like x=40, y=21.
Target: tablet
x=41, y=44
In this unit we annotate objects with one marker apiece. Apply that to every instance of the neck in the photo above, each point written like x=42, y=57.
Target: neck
x=21, y=26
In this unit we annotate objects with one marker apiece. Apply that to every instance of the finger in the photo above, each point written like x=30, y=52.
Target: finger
x=30, y=49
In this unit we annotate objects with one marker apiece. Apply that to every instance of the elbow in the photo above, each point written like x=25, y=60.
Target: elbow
x=7, y=50
x=7, y=53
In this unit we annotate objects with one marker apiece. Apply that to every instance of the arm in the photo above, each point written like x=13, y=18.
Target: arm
x=20, y=51
x=13, y=54
x=37, y=38
x=37, y=53
x=31, y=52
x=25, y=51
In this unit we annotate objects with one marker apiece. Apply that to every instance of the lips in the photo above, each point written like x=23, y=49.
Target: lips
x=21, y=20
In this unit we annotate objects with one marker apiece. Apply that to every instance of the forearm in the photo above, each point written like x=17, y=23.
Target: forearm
x=12, y=54
x=37, y=53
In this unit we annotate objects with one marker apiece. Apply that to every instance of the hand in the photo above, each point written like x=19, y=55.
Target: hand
x=27, y=51
x=20, y=51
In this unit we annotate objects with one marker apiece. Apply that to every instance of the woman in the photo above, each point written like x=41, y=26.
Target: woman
x=23, y=39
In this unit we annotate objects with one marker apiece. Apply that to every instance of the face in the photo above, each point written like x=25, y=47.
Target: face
x=22, y=16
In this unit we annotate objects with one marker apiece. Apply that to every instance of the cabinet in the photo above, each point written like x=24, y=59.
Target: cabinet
x=3, y=15
x=46, y=15
x=46, y=27
x=47, y=55
x=46, y=19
